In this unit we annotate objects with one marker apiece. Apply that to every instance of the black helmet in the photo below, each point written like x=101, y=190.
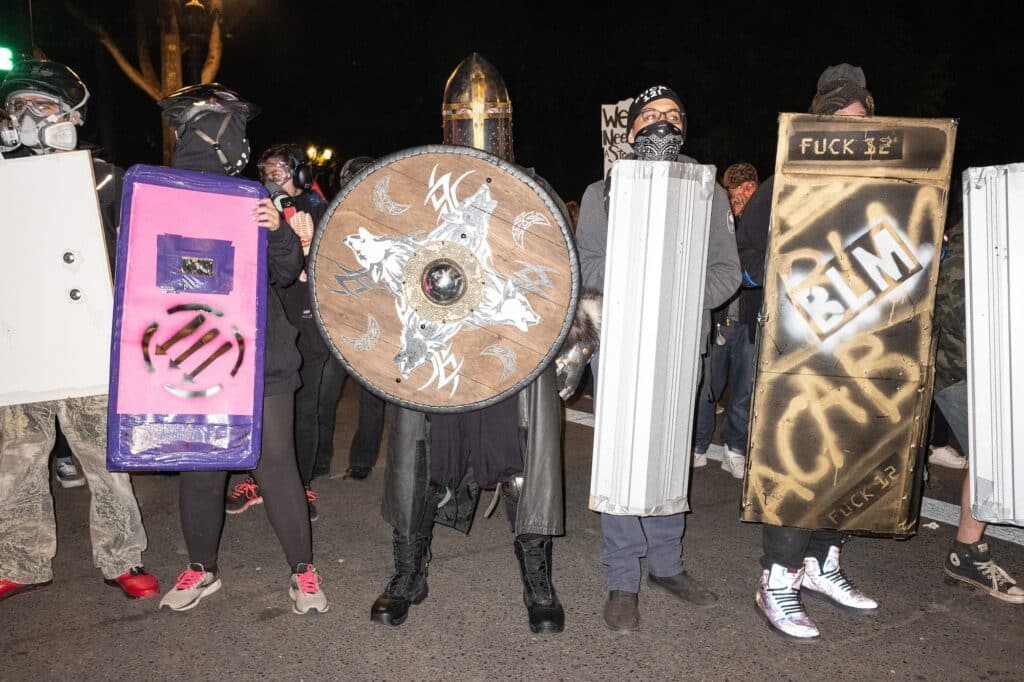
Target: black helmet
x=352, y=167
x=49, y=78
x=177, y=107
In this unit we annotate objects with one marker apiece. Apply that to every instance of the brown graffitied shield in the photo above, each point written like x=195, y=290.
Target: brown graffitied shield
x=444, y=278
x=843, y=369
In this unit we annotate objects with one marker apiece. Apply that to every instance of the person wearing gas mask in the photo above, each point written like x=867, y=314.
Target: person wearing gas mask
x=437, y=463
x=288, y=179
x=657, y=129
x=209, y=122
x=44, y=103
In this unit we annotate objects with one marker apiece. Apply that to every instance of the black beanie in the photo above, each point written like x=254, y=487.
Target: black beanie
x=649, y=95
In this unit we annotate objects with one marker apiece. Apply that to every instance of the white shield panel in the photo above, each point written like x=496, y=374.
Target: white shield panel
x=994, y=270
x=658, y=219
x=57, y=295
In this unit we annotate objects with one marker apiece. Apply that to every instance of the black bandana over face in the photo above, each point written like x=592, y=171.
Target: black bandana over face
x=213, y=143
x=660, y=141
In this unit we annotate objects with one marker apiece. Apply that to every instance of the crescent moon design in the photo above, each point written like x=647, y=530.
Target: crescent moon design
x=506, y=355
x=523, y=222
x=367, y=341
x=383, y=201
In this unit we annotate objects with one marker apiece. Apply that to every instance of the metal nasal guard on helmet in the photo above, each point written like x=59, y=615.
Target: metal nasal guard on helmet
x=476, y=111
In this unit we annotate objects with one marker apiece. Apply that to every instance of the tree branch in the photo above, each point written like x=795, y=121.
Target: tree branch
x=142, y=46
x=214, y=49
x=150, y=88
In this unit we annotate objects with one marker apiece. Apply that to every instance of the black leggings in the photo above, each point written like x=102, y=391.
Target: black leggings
x=201, y=497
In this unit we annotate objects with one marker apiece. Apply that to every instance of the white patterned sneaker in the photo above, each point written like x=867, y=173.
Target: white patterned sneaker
x=305, y=591
x=734, y=462
x=946, y=457
x=830, y=581
x=194, y=583
x=700, y=459
x=778, y=600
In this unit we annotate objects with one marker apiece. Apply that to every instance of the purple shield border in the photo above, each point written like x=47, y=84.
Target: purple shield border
x=242, y=433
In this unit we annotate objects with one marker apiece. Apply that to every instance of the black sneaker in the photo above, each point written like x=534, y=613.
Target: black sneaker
x=358, y=472
x=243, y=496
x=311, y=498
x=973, y=565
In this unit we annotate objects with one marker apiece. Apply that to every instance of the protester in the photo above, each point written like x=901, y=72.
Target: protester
x=209, y=122
x=288, y=178
x=657, y=126
x=46, y=101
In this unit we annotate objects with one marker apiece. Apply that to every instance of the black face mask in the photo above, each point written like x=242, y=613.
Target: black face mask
x=213, y=143
x=659, y=141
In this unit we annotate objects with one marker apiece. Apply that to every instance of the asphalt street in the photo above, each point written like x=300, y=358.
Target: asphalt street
x=473, y=624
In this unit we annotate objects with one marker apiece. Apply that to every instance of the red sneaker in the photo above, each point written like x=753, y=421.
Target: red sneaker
x=9, y=588
x=311, y=498
x=243, y=496
x=136, y=583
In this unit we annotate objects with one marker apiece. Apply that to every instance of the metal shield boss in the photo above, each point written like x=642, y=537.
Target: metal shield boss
x=444, y=278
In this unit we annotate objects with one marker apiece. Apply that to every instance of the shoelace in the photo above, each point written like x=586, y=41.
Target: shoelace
x=406, y=556
x=309, y=581
x=535, y=562
x=188, y=579
x=995, y=573
x=247, y=488
x=788, y=599
x=838, y=578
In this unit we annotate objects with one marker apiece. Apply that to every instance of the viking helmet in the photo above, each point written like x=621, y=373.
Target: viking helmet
x=477, y=111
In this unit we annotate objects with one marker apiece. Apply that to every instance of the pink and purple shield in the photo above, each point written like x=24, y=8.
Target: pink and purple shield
x=186, y=370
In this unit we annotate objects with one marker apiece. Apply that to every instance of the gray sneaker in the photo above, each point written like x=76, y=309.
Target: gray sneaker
x=305, y=591
x=68, y=474
x=194, y=583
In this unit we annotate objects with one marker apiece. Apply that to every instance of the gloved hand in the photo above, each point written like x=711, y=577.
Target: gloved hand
x=569, y=366
x=581, y=343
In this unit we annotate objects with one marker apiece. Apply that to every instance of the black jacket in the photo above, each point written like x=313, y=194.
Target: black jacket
x=297, y=296
x=752, y=244
x=282, y=360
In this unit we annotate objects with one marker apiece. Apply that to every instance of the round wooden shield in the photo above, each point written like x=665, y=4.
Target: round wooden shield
x=444, y=278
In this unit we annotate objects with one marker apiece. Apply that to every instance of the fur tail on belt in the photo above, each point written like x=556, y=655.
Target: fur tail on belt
x=586, y=328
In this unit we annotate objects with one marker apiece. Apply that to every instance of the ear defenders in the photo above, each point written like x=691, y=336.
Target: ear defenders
x=302, y=173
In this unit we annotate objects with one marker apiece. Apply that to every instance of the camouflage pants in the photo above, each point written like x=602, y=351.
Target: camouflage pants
x=28, y=532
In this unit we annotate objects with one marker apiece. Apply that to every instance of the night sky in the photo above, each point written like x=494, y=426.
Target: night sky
x=367, y=78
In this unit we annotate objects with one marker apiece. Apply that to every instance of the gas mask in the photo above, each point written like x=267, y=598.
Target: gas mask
x=39, y=128
x=44, y=132
x=43, y=135
x=9, y=138
x=660, y=141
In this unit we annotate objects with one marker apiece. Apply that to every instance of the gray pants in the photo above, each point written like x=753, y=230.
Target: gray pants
x=627, y=539
x=952, y=400
x=28, y=531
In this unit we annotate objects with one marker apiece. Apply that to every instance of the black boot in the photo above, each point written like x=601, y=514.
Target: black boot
x=408, y=585
x=542, y=605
